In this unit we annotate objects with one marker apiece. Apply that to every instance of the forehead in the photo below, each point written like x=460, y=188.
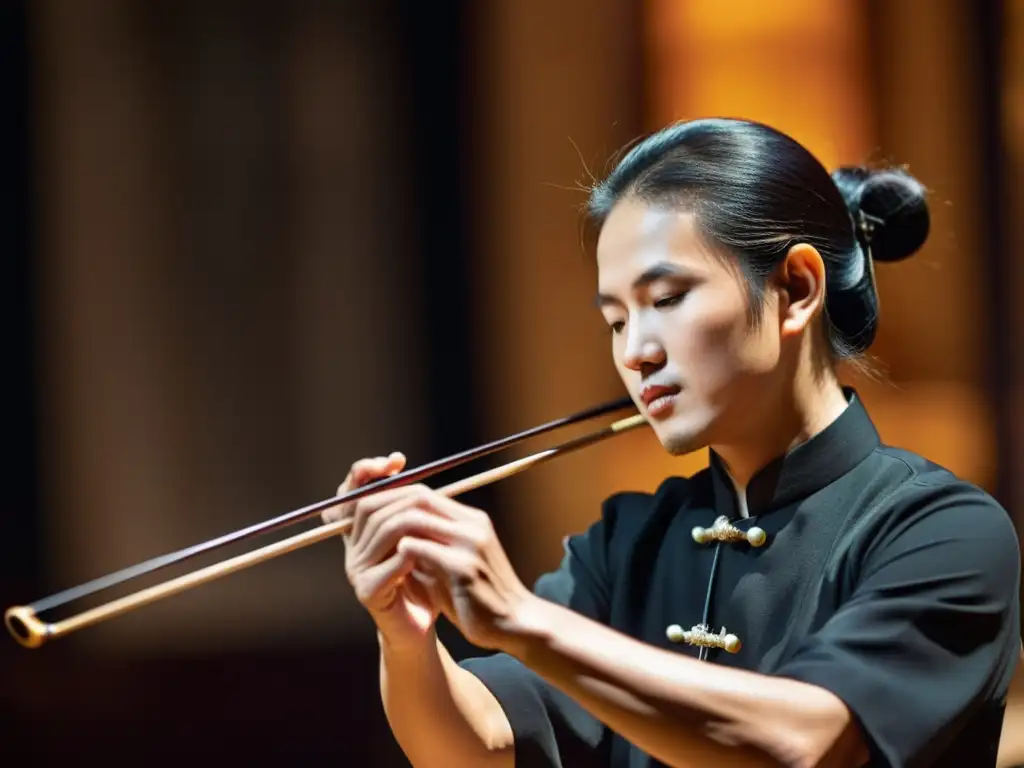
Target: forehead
x=638, y=235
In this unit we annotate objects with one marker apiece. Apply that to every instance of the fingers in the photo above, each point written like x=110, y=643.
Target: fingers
x=379, y=506
x=361, y=473
x=430, y=580
x=463, y=573
x=458, y=564
x=373, y=510
x=382, y=520
x=389, y=526
x=367, y=470
x=375, y=586
x=449, y=507
x=429, y=588
x=374, y=506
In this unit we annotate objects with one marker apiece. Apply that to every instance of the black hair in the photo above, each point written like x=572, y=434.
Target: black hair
x=757, y=192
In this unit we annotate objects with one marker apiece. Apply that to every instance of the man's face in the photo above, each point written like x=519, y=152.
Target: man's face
x=682, y=339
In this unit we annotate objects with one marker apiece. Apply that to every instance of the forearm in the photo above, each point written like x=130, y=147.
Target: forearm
x=440, y=714
x=682, y=711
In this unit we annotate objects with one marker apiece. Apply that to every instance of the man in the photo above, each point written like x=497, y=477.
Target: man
x=813, y=598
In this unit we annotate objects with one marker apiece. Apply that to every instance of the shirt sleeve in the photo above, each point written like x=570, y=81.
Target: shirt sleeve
x=931, y=631
x=550, y=729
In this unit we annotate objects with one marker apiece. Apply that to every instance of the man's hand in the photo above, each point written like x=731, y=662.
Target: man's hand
x=459, y=562
x=383, y=579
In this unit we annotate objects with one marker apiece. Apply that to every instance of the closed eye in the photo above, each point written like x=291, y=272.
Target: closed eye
x=664, y=303
x=669, y=301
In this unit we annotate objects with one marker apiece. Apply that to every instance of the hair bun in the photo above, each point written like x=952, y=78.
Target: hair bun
x=894, y=206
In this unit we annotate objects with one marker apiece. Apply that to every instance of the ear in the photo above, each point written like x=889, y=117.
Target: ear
x=801, y=277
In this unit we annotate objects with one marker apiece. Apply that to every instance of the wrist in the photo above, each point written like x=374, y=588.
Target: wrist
x=532, y=627
x=406, y=647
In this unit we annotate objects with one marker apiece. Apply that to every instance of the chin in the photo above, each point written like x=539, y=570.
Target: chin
x=679, y=442
x=684, y=432
x=679, y=445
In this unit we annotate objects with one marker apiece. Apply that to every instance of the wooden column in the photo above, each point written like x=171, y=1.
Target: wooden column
x=230, y=313
x=934, y=335
x=807, y=68
x=558, y=94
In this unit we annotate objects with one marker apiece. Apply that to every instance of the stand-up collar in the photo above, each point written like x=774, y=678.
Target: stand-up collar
x=807, y=468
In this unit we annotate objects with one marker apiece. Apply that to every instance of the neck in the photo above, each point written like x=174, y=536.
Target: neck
x=801, y=413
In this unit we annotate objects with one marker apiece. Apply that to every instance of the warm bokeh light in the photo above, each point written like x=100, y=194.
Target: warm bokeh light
x=252, y=246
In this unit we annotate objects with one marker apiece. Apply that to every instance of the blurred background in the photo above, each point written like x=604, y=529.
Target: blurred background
x=251, y=242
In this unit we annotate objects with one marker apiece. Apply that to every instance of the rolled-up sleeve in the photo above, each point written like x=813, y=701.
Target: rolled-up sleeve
x=550, y=729
x=932, y=629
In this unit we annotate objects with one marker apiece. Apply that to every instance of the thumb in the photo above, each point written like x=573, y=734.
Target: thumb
x=396, y=462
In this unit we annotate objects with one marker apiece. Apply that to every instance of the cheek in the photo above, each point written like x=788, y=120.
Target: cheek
x=711, y=328
x=718, y=342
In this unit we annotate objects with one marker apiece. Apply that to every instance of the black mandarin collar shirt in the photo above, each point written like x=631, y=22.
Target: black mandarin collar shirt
x=806, y=469
x=882, y=578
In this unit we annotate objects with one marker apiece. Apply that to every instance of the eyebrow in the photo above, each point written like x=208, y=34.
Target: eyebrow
x=650, y=275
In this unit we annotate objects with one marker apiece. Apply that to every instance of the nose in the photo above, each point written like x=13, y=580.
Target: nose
x=642, y=352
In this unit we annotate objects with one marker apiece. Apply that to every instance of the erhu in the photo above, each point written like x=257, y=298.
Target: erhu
x=31, y=631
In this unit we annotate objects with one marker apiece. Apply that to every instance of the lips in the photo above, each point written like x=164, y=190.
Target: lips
x=651, y=393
